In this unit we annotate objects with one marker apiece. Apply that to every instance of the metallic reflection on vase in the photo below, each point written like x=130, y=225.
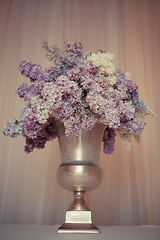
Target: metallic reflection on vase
x=79, y=172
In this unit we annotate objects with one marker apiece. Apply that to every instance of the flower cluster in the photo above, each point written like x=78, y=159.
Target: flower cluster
x=79, y=91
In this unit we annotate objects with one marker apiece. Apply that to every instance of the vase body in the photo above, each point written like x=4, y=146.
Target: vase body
x=79, y=172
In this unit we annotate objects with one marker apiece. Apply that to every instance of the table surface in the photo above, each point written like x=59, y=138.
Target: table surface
x=46, y=232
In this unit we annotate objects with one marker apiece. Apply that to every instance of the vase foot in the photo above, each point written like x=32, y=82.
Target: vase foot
x=78, y=228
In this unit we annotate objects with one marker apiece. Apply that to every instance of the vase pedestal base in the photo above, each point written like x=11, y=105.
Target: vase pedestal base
x=78, y=217
x=78, y=222
x=78, y=228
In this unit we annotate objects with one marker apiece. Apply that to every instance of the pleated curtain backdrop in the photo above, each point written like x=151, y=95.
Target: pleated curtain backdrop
x=130, y=29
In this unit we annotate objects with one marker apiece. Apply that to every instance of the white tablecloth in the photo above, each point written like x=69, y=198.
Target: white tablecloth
x=42, y=232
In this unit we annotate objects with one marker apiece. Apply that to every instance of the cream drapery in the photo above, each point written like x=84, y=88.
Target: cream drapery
x=130, y=191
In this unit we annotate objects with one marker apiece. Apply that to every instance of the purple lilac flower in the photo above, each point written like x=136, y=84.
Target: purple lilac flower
x=50, y=74
x=136, y=126
x=52, y=52
x=47, y=134
x=141, y=105
x=25, y=68
x=108, y=140
x=78, y=49
x=23, y=90
x=101, y=51
x=34, y=72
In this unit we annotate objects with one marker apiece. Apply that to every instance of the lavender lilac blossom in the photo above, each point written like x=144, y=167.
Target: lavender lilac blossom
x=79, y=91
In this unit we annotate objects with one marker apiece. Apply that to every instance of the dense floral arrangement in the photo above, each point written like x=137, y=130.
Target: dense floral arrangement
x=79, y=91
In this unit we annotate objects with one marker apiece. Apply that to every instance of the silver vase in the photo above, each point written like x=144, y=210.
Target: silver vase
x=79, y=172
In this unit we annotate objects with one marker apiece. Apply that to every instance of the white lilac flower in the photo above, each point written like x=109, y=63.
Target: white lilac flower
x=128, y=75
x=130, y=110
x=105, y=65
x=13, y=128
x=72, y=126
x=126, y=138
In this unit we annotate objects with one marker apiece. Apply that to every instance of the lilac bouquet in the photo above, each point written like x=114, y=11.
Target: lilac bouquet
x=79, y=91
